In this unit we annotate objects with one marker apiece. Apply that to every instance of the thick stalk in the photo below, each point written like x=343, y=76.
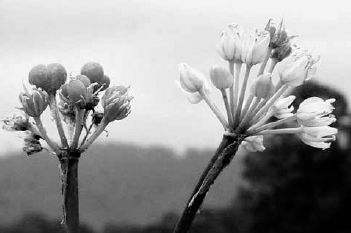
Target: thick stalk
x=69, y=176
x=219, y=161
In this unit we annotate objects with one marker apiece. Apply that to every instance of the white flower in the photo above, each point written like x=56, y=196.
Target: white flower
x=315, y=111
x=191, y=80
x=254, y=46
x=296, y=68
x=282, y=107
x=221, y=77
x=229, y=45
x=319, y=137
x=195, y=97
x=254, y=143
x=263, y=86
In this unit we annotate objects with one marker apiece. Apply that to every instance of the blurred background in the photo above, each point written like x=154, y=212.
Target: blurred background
x=138, y=178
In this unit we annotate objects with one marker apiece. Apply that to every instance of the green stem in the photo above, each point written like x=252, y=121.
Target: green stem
x=69, y=175
x=45, y=136
x=242, y=95
x=215, y=110
x=231, y=89
x=224, y=154
x=57, y=118
x=227, y=107
x=78, y=126
x=262, y=127
x=94, y=136
x=264, y=63
x=280, y=131
x=236, y=90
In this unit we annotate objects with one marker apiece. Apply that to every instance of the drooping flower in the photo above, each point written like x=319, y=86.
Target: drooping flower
x=221, y=77
x=319, y=137
x=297, y=68
x=263, y=86
x=253, y=143
x=48, y=77
x=116, y=103
x=34, y=102
x=315, y=111
x=282, y=108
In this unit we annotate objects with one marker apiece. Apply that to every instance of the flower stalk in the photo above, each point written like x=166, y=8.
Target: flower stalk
x=248, y=114
x=78, y=97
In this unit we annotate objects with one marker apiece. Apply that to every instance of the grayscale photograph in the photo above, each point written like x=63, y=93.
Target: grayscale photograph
x=164, y=116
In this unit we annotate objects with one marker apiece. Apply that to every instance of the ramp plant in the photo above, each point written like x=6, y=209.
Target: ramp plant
x=74, y=105
x=256, y=103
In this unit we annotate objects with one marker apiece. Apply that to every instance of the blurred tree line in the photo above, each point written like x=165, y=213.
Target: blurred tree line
x=290, y=188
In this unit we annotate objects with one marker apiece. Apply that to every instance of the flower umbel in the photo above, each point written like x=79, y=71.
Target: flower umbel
x=250, y=114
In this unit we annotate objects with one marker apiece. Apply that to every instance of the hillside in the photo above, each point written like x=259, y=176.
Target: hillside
x=119, y=183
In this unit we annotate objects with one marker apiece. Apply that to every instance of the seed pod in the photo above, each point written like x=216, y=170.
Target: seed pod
x=93, y=71
x=49, y=78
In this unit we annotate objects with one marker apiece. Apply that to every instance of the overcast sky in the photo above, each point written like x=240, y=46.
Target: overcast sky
x=140, y=43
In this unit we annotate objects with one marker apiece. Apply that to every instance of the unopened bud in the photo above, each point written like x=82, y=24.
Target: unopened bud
x=263, y=86
x=191, y=80
x=93, y=71
x=116, y=103
x=221, y=77
x=35, y=102
x=282, y=52
x=48, y=77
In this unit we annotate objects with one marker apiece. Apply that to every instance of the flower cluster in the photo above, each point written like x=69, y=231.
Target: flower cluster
x=249, y=110
x=79, y=97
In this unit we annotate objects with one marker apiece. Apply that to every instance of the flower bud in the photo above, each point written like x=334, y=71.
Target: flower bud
x=278, y=36
x=229, y=46
x=76, y=91
x=254, y=47
x=103, y=85
x=282, y=108
x=221, y=77
x=116, y=103
x=297, y=68
x=254, y=143
x=315, y=111
x=35, y=102
x=319, y=137
x=263, y=86
x=282, y=52
x=191, y=80
x=93, y=71
x=49, y=78
x=271, y=28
